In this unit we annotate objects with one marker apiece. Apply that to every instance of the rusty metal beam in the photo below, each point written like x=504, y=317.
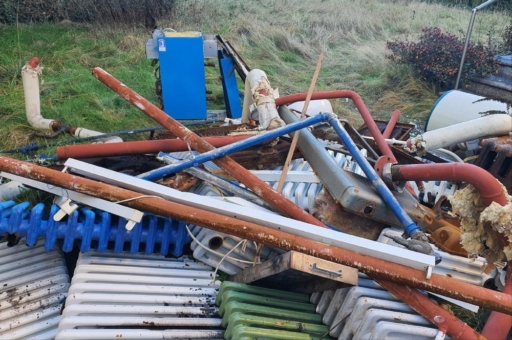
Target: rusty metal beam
x=260, y=188
x=376, y=268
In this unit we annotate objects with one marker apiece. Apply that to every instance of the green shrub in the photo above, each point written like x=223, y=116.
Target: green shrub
x=436, y=57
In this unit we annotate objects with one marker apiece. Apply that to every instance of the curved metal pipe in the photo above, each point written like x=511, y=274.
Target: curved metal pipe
x=498, y=325
x=363, y=111
x=358, y=102
x=488, y=186
x=30, y=77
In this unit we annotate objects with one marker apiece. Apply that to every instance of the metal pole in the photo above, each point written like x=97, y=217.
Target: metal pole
x=244, y=176
x=228, y=149
x=468, y=36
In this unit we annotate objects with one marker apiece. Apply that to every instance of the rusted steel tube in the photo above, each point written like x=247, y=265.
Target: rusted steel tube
x=444, y=320
x=136, y=147
x=488, y=186
x=376, y=268
x=391, y=124
x=498, y=325
x=260, y=188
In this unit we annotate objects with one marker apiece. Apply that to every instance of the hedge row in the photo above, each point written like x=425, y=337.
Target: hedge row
x=117, y=11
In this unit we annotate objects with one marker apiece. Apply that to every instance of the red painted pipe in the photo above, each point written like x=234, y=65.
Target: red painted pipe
x=488, y=186
x=387, y=273
x=137, y=147
x=358, y=102
x=363, y=111
x=391, y=124
x=34, y=62
x=260, y=188
x=498, y=325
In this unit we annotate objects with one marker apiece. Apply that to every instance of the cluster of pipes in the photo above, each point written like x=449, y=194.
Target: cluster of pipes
x=400, y=280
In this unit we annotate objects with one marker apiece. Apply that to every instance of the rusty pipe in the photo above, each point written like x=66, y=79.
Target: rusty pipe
x=260, y=188
x=488, y=186
x=497, y=325
x=136, y=147
x=391, y=124
x=375, y=267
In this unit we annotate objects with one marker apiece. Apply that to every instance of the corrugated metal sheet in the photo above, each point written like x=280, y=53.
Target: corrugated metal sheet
x=250, y=312
x=34, y=285
x=136, y=296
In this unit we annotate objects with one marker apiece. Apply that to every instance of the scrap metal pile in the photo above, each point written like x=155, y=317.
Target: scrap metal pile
x=367, y=226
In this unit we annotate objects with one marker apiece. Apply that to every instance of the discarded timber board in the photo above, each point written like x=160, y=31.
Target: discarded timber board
x=298, y=273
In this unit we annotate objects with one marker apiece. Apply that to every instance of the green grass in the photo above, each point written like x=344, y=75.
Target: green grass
x=69, y=92
x=283, y=38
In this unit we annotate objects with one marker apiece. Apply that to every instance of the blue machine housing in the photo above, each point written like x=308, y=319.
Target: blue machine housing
x=182, y=74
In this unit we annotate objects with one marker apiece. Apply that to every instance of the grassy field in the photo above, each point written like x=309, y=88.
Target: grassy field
x=284, y=38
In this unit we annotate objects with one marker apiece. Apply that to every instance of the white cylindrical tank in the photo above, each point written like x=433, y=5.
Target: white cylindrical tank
x=314, y=107
x=456, y=107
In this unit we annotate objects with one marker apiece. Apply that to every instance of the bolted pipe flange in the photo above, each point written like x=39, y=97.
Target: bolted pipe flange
x=383, y=168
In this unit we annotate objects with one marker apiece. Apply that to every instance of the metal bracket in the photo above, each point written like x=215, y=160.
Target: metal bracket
x=66, y=206
x=315, y=266
x=69, y=204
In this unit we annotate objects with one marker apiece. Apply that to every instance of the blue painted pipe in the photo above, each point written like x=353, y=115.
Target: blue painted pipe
x=385, y=193
x=228, y=149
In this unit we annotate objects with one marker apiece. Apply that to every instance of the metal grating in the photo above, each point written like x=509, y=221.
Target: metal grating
x=34, y=285
x=136, y=296
x=94, y=229
x=250, y=312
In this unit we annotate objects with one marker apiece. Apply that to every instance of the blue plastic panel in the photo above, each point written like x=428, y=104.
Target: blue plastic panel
x=182, y=74
x=96, y=230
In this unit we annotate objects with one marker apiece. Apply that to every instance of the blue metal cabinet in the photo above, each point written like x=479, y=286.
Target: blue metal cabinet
x=182, y=74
